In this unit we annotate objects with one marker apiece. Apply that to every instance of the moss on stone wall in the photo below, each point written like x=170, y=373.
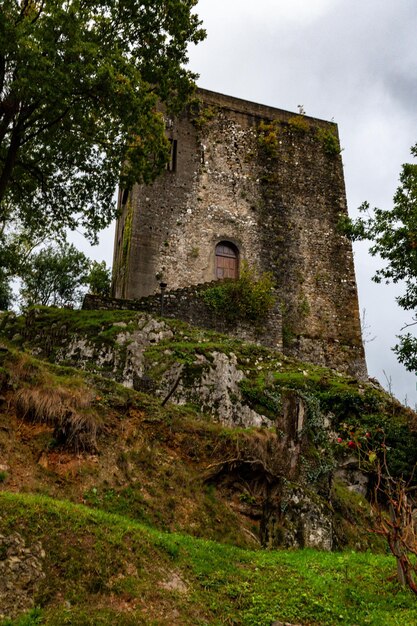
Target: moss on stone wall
x=268, y=138
x=202, y=115
x=299, y=124
x=126, y=243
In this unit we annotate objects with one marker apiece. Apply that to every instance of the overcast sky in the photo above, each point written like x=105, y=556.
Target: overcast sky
x=351, y=61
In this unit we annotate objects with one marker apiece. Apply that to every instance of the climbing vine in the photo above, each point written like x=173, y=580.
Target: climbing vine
x=127, y=234
x=318, y=461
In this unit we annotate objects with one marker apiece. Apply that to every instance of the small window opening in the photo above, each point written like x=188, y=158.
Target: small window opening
x=172, y=163
x=227, y=260
x=125, y=196
x=169, y=123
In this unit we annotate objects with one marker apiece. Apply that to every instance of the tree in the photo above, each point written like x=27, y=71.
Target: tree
x=394, y=236
x=99, y=279
x=394, y=515
x=392, y=497
x=6, y=295
x=5, y=291
x=54, y=276
x=81, y=85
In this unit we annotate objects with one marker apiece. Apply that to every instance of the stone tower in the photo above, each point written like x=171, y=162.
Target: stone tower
x=255, y=183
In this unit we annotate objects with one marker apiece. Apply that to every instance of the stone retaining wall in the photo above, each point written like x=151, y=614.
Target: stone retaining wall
x=188, y=305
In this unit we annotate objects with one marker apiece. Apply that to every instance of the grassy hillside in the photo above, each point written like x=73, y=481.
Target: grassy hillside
x=115, y=476
x=146, y=462
x=106, y=569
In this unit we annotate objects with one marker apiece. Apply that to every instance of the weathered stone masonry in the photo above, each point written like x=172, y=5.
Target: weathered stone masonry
x=270, y=183
x=188, y=304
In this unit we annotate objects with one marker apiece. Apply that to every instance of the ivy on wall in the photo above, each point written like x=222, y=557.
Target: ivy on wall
x=269, y=132
x=126, y=241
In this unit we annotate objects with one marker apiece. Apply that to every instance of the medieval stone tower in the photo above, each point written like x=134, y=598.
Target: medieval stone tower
x=249, y=182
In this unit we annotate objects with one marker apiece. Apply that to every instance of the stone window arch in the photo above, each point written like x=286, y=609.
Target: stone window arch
x=227, y=260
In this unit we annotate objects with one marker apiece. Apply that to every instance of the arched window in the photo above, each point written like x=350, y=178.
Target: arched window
x=227, y=260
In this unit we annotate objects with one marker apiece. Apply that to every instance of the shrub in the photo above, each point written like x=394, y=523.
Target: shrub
x=329, y=141
x=299, y=124
x=248, y=299
x=268, y=138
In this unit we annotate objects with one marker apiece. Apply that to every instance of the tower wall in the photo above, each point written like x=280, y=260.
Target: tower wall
x=270, y=183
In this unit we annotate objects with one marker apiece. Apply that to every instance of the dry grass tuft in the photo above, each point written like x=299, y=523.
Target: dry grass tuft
x=78, y=431
x=47, y=406
x=75, y=424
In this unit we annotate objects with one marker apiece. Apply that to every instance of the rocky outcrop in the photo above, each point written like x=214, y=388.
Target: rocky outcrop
x=212, y=383
x=350, y=474
x=298, y=519
x=280, y=474
x=123, y=359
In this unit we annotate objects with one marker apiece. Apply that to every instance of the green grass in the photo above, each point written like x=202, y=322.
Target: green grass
x=96, y=563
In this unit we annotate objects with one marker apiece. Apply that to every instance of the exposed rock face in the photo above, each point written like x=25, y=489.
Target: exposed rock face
x=278, y=484
x=123, y=361
x=215, y=387
x=20, y=574
x=134, y=345
x=298, y=520
x=219, y=389
x=351, y=475
x=211, y=382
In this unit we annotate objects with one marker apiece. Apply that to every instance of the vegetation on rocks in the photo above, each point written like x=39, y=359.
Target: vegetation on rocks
x=115, y=476
x=116, y=571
